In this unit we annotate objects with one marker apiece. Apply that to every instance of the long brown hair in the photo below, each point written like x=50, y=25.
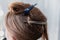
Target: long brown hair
x=17, y=25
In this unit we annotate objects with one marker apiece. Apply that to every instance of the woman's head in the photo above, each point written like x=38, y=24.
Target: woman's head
x=17, y=25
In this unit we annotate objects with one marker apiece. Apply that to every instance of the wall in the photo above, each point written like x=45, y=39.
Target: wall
x=51, y=10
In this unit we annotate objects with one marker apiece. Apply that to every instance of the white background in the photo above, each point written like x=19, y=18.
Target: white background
x=50, y=8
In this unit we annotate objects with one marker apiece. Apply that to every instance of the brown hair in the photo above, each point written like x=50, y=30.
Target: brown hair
x=17, y=25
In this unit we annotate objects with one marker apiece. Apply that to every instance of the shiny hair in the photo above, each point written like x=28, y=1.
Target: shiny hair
x=17, y=25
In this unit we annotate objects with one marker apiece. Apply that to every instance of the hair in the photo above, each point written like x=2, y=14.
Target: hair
x=17, y=26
